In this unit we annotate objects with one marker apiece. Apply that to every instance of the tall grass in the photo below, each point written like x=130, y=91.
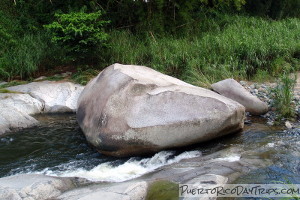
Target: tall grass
x=24, y=58
x=284, y=95
x=238, y=47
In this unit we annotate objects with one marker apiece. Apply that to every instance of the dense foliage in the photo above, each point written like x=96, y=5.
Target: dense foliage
x=200, y=41
x=81, y=34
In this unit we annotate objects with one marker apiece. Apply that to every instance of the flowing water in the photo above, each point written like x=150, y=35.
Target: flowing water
x=58, y=147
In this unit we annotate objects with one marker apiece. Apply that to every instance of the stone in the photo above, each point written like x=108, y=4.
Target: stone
x=34, y=98
x=55, y=96
x=16, y=110
x=123, y=191
x=40, y=78
x=288, y=125
x=3, y=82
x=233, y=90
x=131, y=110
x=32, y=187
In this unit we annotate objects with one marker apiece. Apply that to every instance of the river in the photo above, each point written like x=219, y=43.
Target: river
x=58, y=147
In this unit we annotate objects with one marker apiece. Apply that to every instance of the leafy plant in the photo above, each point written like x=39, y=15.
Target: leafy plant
x=81, y=34
x=283, y=96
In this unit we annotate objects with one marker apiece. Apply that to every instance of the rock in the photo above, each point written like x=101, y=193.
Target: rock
x=33, y=187
x=40, y=78
x=35, y=98
x=16, y=110
x=262, y=89
x=243, y=83
x=288, y=125
x=233, y=90
x=122, y=191
x=130, y=110
x=55, y=96
x=2, y=82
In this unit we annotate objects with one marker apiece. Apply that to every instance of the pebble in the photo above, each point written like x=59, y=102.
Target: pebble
x=288, y=125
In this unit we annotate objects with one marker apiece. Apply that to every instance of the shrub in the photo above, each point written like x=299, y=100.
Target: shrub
x=284, y=95
x=81, y=34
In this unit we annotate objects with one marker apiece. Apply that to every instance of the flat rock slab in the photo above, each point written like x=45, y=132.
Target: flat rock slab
x=115, y=191
x=33, y=187
x=131, y=110
x=233, y=90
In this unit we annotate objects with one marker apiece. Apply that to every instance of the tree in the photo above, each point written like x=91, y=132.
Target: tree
x=80, y=33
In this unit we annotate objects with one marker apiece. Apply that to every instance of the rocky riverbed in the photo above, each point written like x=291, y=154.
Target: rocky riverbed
x=222, y=166
x=265, y=92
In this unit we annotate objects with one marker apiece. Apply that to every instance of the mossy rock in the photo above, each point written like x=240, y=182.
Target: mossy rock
x=3, y=90
x=163, y=190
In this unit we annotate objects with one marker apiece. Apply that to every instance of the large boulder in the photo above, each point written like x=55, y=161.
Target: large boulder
x=233, y=90
x=129, y=110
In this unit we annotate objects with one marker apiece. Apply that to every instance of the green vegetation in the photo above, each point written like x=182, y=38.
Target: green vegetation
x=199, y=41
x=163, y=190
x=84, y=76
x=13, y=83
x=284, y=95
x=239, y=47
x=2, y=90
x=81, y=34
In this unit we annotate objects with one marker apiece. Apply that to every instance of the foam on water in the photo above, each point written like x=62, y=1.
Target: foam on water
x=130, y=169
x=231, y=158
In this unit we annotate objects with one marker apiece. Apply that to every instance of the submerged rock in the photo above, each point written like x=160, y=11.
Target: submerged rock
x=233, y=90
x=130, y=110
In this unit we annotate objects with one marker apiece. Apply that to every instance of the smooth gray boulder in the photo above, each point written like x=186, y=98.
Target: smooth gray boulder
x=33, y=187
x=233, y=90
x=25, y=100
x=130, y=110
x=15, y=111
x=55, y=96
